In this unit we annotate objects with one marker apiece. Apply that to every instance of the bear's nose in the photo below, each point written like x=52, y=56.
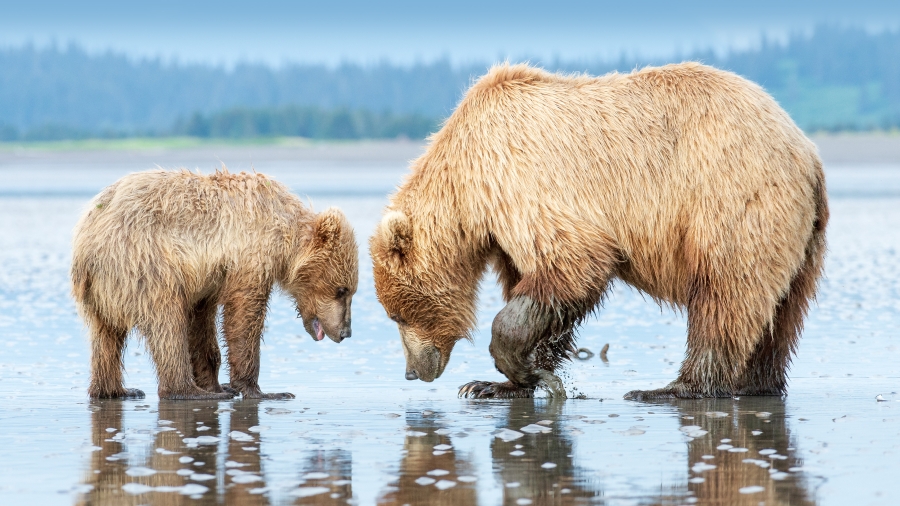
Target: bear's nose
x=345, y=333
x=411, y=375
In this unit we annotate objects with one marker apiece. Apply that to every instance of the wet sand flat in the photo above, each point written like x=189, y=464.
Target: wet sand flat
x=359, y=433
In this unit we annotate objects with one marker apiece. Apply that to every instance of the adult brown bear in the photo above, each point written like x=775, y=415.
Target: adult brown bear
x=687, y=182
x=159, y=251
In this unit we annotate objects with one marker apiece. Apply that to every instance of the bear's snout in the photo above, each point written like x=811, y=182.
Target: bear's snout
x=412, y=375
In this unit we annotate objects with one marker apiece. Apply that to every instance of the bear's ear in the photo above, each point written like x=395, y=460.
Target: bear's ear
x=396, y=234
x=329, y=226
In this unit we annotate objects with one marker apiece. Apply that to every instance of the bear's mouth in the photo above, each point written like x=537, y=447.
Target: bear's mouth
x=317, y=328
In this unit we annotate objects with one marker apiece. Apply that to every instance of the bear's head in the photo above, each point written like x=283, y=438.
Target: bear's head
x=430, y=299
x=323, y=276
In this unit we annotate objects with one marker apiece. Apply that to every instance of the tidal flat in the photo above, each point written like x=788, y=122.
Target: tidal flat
x=359, y=433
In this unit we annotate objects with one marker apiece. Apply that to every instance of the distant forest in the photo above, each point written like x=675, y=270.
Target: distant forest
x=834, y=79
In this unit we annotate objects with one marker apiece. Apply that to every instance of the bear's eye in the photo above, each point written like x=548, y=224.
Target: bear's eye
x=341, y=292
x=398, y=319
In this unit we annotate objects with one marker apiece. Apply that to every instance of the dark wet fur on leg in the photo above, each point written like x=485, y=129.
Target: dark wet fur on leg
x=128, y=393
x=674, y=390
x=527, y=339
x=494, y=390
x=197, y=395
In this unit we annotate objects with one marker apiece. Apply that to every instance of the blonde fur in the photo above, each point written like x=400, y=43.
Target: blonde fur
x=687, y=182
x=160, y=250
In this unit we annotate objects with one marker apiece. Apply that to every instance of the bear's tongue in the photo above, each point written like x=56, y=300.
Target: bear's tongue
x=320, y=332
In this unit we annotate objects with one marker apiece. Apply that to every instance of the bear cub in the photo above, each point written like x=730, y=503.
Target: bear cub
x=160, y=251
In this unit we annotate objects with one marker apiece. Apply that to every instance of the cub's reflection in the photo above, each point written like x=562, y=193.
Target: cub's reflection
x=539, y=466
x=431, y=472
x=244, y=479
x=747, y=457
x=173, y=457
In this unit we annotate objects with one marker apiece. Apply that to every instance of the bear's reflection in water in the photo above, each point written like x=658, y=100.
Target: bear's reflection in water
x=175, y=462
x=196, y=453
x=429, y=473
x=752, y=451
x=537, y=468
x=540, y=468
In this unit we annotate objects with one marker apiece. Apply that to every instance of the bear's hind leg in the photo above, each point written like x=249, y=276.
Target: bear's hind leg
x=169, y=343
x=723, y=331
x=205, y=355
x=522, y=353
x=766, y=372
x=243, y=320
x=107, y=345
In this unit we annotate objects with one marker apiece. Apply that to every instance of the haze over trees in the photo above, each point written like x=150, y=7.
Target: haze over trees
x=833, y=79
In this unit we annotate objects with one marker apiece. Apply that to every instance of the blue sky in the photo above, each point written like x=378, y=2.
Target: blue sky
x=275, y=31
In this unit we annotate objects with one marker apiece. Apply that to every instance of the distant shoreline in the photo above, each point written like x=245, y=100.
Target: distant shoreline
x=882, y=148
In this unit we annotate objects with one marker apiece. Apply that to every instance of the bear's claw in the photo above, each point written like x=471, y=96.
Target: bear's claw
x=494, y=390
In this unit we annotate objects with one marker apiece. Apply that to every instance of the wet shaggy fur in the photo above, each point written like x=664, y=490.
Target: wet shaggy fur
x=687, y=182
x=159, y=251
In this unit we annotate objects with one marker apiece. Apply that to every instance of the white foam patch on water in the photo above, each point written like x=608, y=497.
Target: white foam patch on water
x=246, y=478
x=517, y=453
x=424, y=480
x=308, y=491
x=445, y=484
x=438, y=472
x=259, y=428
x=752, y=489
x=536, y=429
x=548, y=465
x=315, y=476
x=140, y=471
x=136, y=488
x=693, y=431
x=699, y=467
x=240, y=436
x=508, y=435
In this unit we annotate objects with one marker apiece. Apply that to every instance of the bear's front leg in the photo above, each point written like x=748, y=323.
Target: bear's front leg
x=520, y=338
x=242, y=323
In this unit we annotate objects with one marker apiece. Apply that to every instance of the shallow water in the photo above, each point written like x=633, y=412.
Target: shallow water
x=359, y=433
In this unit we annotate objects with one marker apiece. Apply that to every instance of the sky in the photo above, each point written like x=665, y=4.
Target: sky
x=401, y=31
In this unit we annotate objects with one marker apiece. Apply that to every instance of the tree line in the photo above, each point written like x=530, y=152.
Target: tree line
x=834, y=78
